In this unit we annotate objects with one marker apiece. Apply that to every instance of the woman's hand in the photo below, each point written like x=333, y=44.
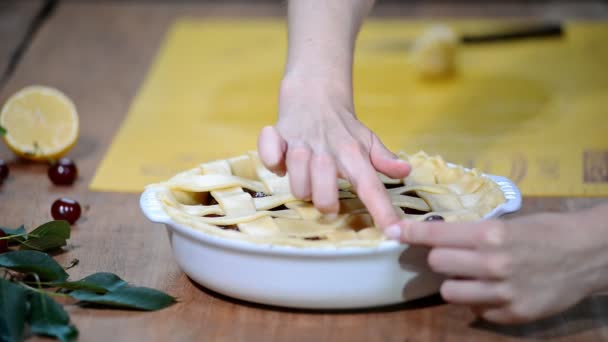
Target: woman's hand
x=317, y=139
x=518, y=270
x=317, y=136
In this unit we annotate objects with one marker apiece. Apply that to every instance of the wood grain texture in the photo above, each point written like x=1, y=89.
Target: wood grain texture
x=16, y=19
x=547, y=10
x=99, y=53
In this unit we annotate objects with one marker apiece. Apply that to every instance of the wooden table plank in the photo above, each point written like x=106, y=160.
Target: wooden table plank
x=17, y=18
x=99, y=53
x=547, y=10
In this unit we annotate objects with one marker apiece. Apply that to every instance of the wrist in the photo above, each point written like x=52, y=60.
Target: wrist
x=324, y=62
x=324, y=75
x=321, y=89
x=596, y=218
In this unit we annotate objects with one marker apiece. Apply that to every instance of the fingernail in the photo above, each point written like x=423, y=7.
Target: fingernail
x=393, y=232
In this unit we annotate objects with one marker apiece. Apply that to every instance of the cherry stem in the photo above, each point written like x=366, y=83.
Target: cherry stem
x=56, y=294
x=8, y=237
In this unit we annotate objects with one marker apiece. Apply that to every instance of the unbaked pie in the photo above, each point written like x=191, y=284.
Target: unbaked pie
x=239, y=198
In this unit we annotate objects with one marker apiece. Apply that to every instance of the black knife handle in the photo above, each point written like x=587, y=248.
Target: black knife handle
x=543, y=31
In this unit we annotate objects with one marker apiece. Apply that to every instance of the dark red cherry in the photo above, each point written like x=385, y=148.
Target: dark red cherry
x=434, y=218
x=63, y=172
x=3, y=243
x=256, y=194
x=3, y=170
x=66, y=209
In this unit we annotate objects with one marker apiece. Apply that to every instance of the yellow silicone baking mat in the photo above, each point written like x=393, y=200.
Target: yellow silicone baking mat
x=535, y=111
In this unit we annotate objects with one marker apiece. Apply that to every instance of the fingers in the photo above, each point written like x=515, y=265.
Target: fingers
x=272, y=148
x=369, y=188
x=309, y=176
x=324, y=183
x=474, y=292
x=314, y=175
x=437, y=234
x=498, y=314
x=457, y=235
x=468, y=263
x=456, y=262
x=505, y=314
x=478, y=310
x=386, y=162
x=298, y=163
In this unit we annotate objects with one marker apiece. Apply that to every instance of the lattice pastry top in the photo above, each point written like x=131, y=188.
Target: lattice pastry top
x=238, y=198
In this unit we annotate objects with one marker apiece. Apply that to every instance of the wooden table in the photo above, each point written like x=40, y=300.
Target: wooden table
x=98, y=53
x=18, y=21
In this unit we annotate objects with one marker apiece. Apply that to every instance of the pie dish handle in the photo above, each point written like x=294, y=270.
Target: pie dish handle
x=512, y=195
x=151, y=207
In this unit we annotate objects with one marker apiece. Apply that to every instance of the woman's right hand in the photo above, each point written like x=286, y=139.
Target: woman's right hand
x=318, y=138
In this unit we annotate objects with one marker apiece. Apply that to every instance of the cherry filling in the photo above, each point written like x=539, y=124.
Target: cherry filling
x=393, y=186
x=411, y=211
x=281, y=207
x=434, y=218
x=227, y=227
x=411, y=194
x=256, y=194
x=314, y=238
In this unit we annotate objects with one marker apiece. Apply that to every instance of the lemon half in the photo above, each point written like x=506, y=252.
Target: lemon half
x=41, y=123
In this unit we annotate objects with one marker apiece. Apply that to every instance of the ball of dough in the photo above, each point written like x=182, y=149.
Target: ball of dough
x=433, y=54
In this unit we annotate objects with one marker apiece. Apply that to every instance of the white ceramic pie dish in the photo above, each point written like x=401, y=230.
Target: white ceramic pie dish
x=309, y=278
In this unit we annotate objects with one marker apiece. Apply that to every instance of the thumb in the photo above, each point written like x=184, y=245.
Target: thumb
x=386, y=162
x=272, y=148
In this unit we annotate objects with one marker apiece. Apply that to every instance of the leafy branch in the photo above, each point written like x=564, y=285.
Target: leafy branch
x=32, y=278
x=51, y=235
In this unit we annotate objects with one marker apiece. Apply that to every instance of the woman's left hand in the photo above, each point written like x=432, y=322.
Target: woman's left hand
x=519, y=270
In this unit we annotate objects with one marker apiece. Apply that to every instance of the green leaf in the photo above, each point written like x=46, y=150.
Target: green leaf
x=48, y=236
x=16, y=231
x=2, y=131
x=59, y=228
x=47, y=317
x=34, y=262
x=13, y=308
x=101, y=282
x=137, y=298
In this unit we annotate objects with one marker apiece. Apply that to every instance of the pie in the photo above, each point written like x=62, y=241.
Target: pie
x=239, y=198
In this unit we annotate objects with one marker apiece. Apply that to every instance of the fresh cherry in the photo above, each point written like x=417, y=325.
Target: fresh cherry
x=63, y=172
x=3, y=170
x=434, y=218
x=3, y=243
x=66, y=209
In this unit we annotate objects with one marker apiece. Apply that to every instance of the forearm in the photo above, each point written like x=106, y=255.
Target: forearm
x=322, y=35
x=597, y=219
